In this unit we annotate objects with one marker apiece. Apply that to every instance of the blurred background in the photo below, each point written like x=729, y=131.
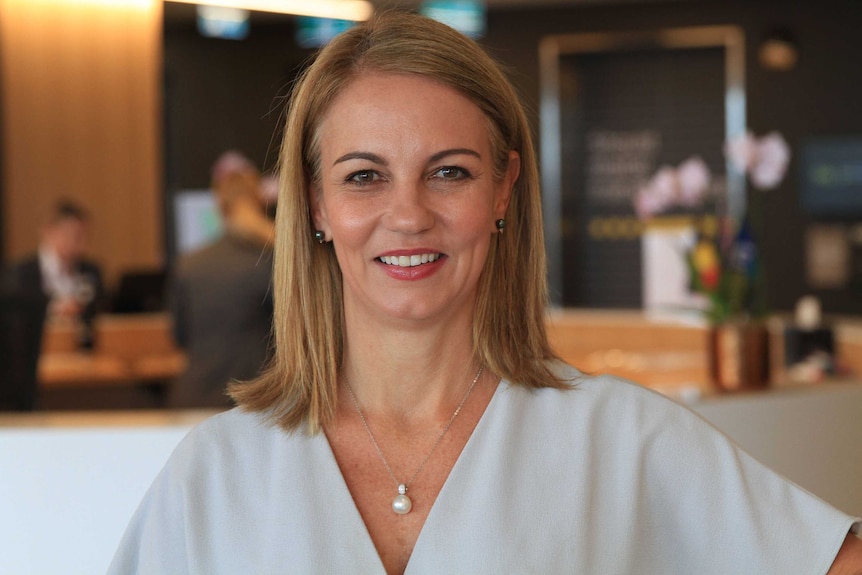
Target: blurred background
x=123, y=106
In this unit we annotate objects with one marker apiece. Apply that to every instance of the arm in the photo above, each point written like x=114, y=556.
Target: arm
x=849, y=558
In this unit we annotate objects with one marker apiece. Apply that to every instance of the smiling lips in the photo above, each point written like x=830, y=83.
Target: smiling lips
x=409, y=261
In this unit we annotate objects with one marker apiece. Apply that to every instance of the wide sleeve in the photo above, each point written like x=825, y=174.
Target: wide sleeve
x=155, y=540
x=725, y=510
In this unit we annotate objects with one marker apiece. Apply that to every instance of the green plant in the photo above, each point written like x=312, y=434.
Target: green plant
x=726, y=268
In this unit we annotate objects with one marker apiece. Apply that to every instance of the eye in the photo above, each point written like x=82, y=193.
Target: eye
x=363, y=177
x=451, y=173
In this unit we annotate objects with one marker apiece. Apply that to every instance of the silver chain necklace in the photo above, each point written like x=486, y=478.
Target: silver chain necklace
x=402, y=503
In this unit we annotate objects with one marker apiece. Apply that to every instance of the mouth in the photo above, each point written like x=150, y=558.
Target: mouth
x=409, y=261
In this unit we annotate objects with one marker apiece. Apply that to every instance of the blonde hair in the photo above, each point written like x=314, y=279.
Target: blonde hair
x=299, y=386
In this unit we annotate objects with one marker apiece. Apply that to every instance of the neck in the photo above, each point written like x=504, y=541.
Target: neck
x=411, y=375
x=248, y=220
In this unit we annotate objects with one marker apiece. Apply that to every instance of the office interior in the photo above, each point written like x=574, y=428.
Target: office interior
x=124, y=106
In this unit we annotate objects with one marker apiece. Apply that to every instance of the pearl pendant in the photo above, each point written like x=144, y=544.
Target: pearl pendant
x=402, y=504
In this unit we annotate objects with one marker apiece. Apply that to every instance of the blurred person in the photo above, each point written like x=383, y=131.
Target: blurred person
x=60, y=270
x=220, y=295
x=269, y=194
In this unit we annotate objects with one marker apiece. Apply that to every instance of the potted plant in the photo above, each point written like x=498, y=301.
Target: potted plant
x=724, y=263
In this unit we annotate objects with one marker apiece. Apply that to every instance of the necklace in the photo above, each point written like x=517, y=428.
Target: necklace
x=402, y=503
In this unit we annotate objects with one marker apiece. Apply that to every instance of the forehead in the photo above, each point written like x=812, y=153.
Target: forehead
x=387, y=107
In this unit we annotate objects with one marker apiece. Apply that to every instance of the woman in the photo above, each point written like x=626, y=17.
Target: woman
x=414, y=418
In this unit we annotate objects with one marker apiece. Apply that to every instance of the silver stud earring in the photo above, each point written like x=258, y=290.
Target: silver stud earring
x=319, y=236
x=501, y=225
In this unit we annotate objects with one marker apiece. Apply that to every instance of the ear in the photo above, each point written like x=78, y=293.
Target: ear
x=503, y=190
x=318, y=210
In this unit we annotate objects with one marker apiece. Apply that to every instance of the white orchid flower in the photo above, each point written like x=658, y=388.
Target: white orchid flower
x=773, y=155
x=693, y=178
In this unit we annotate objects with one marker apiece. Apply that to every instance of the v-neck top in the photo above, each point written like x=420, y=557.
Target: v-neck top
x=608, y=477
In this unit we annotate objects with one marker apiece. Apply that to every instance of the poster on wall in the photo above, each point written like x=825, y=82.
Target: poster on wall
x=831, y=177
x=827, y=256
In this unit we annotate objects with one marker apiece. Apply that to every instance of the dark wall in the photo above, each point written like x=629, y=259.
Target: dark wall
x=821, y=96
x=224, y=94
x=221, y=95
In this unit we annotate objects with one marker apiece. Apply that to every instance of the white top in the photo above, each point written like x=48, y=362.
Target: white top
x=607, y=478
x=57, y=281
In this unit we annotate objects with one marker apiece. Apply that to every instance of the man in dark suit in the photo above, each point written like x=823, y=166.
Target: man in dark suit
x=59, y=271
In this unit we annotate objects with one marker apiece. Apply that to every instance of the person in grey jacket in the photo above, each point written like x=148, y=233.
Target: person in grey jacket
x=220, y=295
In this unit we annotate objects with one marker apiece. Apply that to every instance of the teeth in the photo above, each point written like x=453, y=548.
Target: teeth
x=409, y=261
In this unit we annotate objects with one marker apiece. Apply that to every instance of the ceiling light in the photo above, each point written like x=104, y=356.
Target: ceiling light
x=778, y=51
x=221, y=22
x=354, y=10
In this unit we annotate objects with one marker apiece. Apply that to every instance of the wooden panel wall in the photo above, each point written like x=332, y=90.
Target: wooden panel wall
x=81, y=119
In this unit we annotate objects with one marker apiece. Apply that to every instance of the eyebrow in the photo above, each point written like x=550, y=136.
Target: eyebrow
x=361, y=156
x=379, y=160
x=454, y=152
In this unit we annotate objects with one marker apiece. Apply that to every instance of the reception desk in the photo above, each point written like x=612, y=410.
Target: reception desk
x=133, y=358
x=670, y=353
x=135, y=355
x=662, y=352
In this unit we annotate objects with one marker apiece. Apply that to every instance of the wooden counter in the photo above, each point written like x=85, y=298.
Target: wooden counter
x=132, y=363
x=848, y=339
x=129, y=349
x=668, y=353
x=657, y=351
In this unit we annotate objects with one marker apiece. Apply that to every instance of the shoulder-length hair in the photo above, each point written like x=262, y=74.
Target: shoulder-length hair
x=299, y=385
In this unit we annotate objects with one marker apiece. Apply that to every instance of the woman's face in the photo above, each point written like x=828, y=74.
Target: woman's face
x=407, y=196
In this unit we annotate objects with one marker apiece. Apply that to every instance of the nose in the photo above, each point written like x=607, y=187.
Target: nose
x=409, y=211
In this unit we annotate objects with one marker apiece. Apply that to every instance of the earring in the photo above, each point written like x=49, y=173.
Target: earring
x=319, y=236
x=501, y=225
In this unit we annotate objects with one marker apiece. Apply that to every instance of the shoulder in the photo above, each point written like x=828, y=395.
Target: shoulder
x=202, y=258
x=250, y=249
x=231, y=430
x=27, y=264
x=25, y=273
x=590, y=392
x=202, y=252
x=30, y=260
x=235, y=442
x=605, y=408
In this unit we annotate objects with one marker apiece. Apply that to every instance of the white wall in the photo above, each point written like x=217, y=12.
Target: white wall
x=66, y=495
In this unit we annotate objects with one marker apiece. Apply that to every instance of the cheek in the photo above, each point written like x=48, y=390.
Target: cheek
x=347, y=221
x=473, y=219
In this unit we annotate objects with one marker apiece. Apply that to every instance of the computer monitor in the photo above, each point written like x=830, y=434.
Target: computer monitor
x=140, y=291
x=197, y=221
